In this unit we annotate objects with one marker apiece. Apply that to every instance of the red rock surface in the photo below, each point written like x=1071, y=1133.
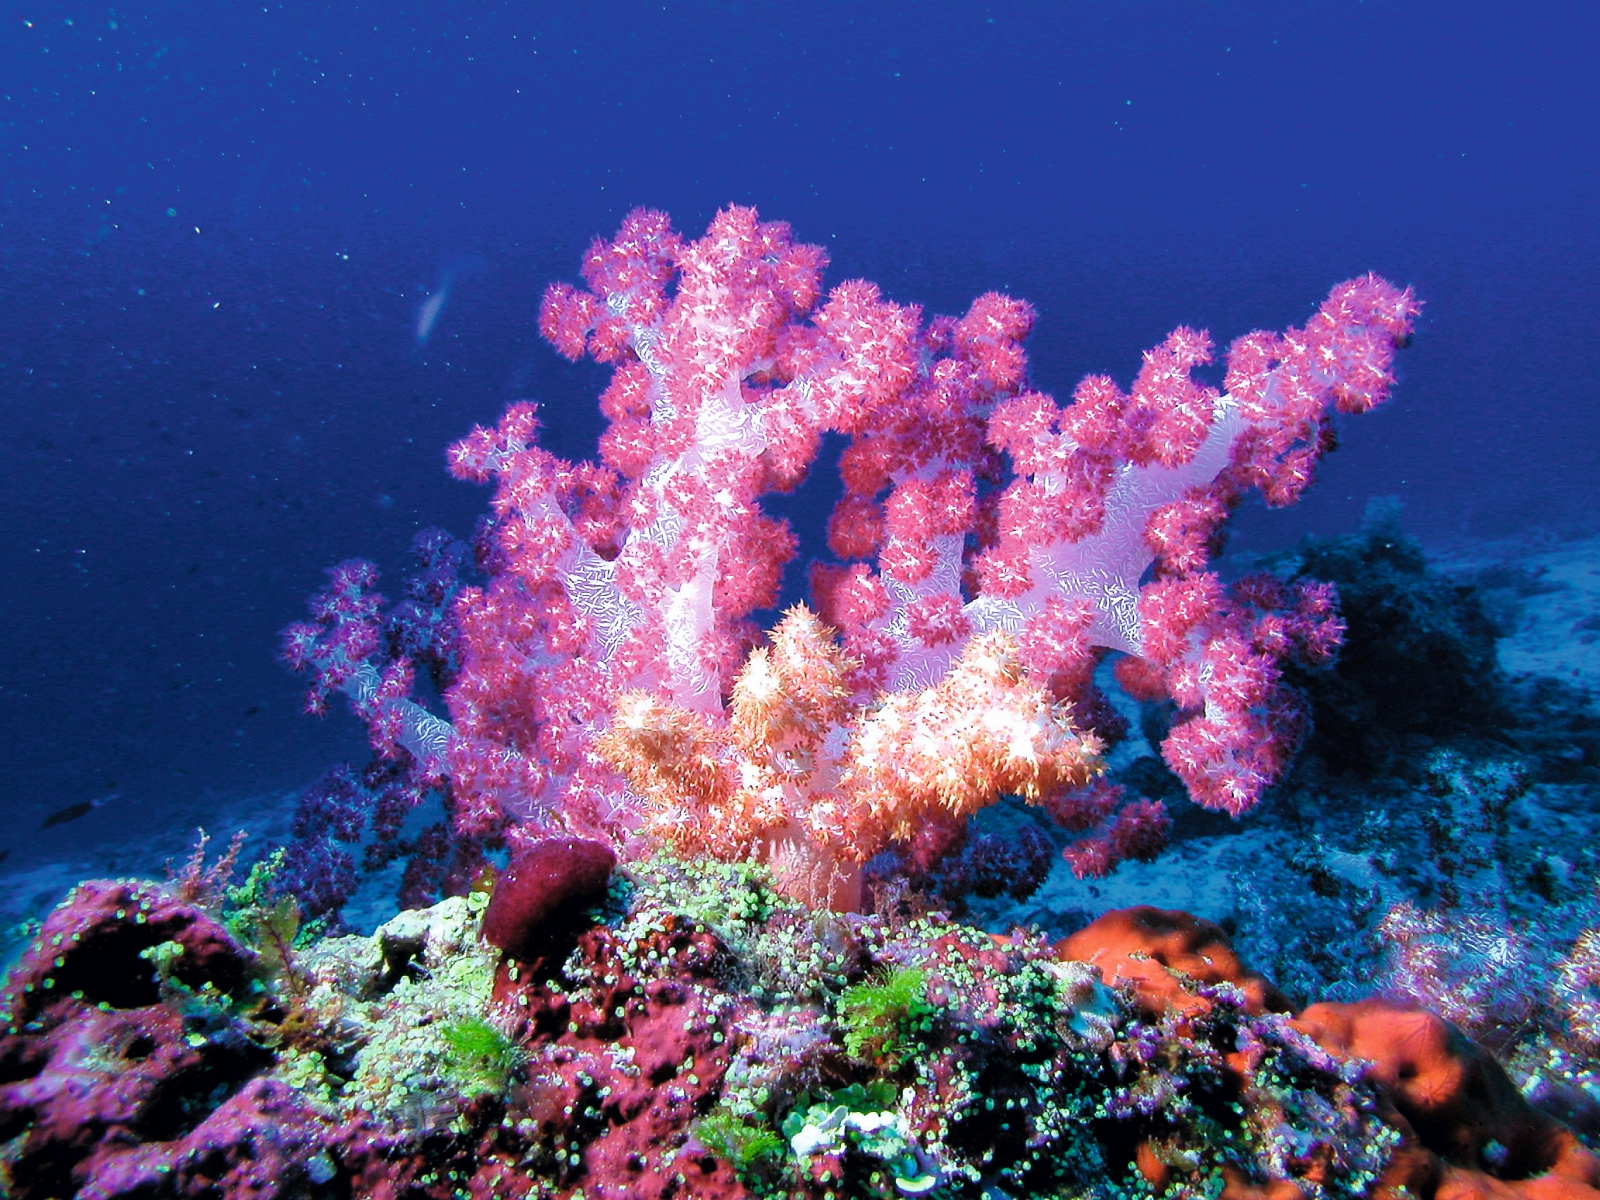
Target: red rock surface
x=1467, y=1132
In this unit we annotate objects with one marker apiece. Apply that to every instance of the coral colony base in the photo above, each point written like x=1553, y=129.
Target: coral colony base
x=716, y=958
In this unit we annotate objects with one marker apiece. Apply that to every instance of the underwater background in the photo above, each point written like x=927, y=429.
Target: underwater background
x=263, y=265
x=218, y=224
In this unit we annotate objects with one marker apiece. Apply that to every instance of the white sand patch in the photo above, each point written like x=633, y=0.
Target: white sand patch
x=1559, y=633
x=1194, y=876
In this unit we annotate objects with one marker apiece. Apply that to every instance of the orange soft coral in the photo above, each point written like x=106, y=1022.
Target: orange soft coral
x=814, y=784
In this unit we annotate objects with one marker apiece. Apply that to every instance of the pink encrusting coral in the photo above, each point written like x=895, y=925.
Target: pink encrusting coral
x=993, y=545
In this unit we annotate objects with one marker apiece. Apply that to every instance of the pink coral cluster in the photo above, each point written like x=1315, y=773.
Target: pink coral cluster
x=993, y=545
x=350, y=646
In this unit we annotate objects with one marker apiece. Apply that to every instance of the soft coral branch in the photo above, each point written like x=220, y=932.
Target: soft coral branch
x=816, y=784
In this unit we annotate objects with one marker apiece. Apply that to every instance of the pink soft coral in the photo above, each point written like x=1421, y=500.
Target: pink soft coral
x=1003, y=544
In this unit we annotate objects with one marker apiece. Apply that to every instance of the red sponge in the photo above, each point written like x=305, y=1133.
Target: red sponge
x=539, y=901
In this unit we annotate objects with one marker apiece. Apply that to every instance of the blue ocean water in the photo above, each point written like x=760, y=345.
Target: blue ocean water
x=219, y=225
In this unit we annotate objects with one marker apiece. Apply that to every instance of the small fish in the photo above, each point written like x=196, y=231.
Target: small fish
x=73, y=812
x=432, y=306
x=4, y=854
x=428, y=314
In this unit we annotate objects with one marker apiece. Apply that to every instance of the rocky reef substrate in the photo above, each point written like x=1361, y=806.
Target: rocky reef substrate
x=681, y=1030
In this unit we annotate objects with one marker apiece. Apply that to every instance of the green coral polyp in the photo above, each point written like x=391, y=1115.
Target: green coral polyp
x=878, y=1019
x=743, y=1144
x=484, y=1058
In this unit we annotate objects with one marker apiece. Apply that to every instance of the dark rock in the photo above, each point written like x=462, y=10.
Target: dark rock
x=92, y=943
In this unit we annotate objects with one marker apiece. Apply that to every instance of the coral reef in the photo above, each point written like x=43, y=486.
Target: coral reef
x=705, y=1036
x=701, y=931
x=129, y=1067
